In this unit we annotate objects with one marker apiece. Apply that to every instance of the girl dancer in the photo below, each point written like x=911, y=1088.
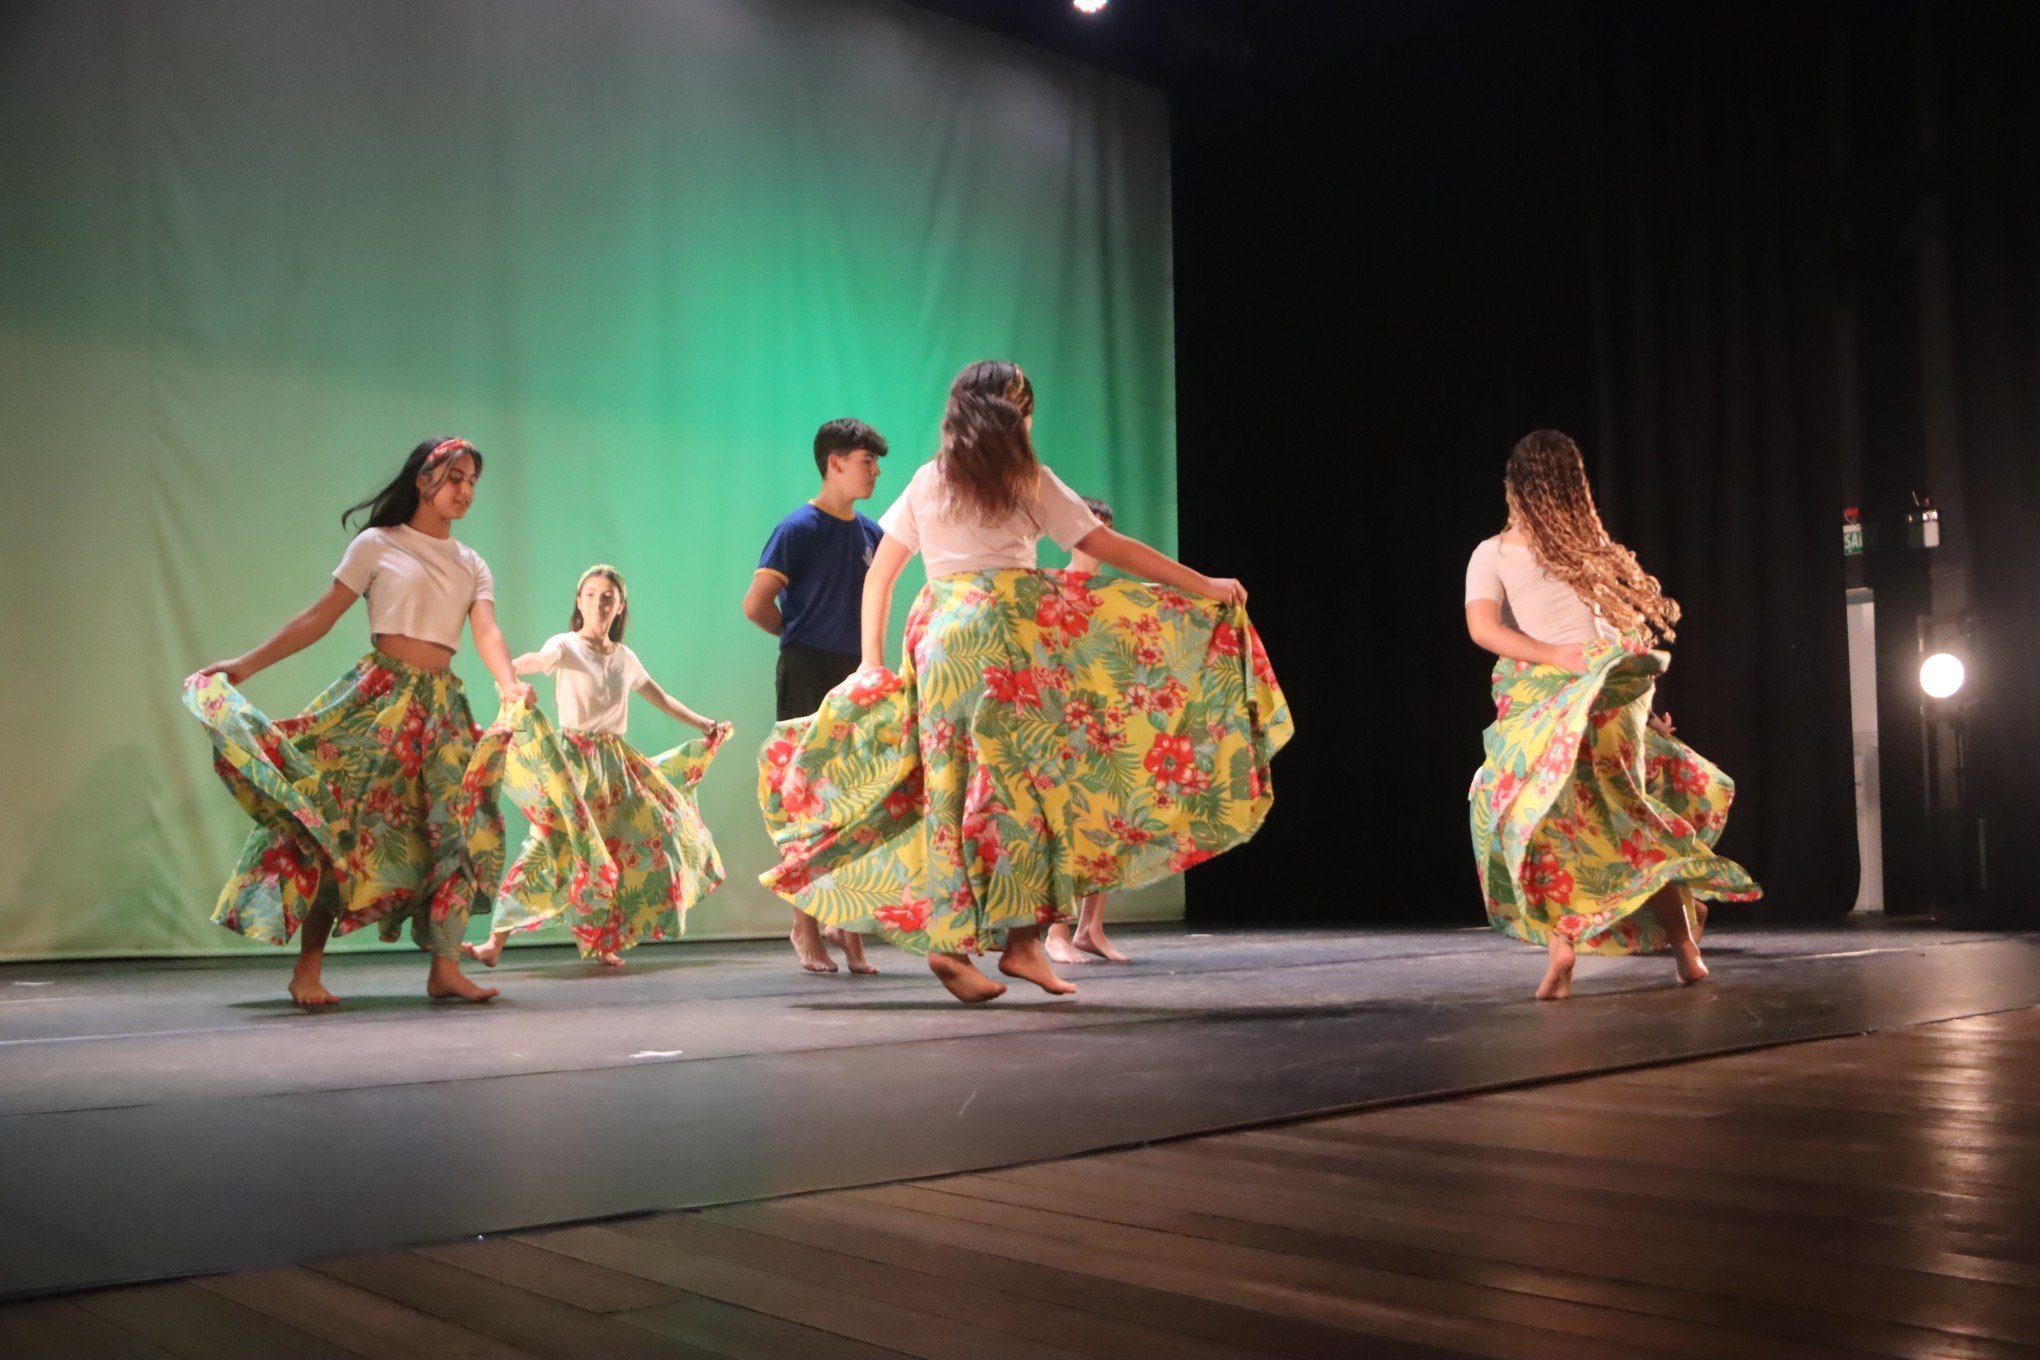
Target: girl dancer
x=377, y=803
x=617, y=845
x=1043, y=739
x=1090, y=938
x=1593, y=827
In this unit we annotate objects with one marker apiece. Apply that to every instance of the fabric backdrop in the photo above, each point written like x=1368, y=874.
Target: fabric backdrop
x=636, y=251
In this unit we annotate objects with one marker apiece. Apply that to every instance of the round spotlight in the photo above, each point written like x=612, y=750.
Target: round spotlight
x=1941, y=675
x=1089, y=6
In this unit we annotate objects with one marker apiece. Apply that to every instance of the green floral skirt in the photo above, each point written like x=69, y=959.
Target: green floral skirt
x=1582, y=813
x=1049, y=735
x=377, y=804
x=617, y=849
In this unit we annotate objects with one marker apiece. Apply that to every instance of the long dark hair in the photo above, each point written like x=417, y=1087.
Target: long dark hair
x=397, y=502
x=1551, y=502
x=987, y=460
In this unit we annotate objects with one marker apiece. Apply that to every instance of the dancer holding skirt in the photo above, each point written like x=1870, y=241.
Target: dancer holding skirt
x=1593, y=827
x=617, y=847
x=376, y=805
x=1045, y=738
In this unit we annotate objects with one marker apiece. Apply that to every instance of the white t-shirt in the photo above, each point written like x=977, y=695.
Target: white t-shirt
x=593, y=690
x=1533, y=601
x=417, y=586
x=923, y=522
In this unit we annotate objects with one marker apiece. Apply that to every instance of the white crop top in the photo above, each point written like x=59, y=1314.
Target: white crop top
x=1533, y=601
x=417, y=585
x=593, y=690
x=923, y=522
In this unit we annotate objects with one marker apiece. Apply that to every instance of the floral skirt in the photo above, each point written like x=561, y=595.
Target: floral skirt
x=1582, y=813
x=376, y=804
x=1050, y=735
x=617, y=849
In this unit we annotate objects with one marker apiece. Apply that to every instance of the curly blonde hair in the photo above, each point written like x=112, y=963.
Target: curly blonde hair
x=1551, y=503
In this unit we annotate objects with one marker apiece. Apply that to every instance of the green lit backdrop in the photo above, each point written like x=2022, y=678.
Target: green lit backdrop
x=636, y=250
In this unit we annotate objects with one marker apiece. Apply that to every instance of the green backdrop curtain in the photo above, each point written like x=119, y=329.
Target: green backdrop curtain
x=250, y=252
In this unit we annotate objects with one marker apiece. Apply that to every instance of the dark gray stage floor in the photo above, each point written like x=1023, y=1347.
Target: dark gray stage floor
x=172, y=1118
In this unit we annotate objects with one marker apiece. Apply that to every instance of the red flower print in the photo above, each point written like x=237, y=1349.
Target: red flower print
x=1171, y=695
x=1195, y=780
x=1148, y=654
x=1067, y=610
x=1504, y=791
x=1253, y=781
x=1688, y=776
x=911, y=793
x=1017, y=687
x=1169, y=758
x=376, y=682
x=1545, y=879
x=1503, y=705
x=794, y=872
x=282, y=861
x=1170, y=599
x=1225, y=640
x=796, y=796
x=910, y=913
x=868, y=686
x=1263, y=671
x=1639, y=853
x=1126, y=831
x=1188, y=854
x=778, y=755
x=1138, y=697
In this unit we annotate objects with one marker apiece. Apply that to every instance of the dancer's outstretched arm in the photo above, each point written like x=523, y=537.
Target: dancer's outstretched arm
x=879, y=579
x=666, y=703
x=1484, y=625
x=306, y=627
x=1138, y=560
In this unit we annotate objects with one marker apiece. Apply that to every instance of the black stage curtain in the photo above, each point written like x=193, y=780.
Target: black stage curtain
x=1709, y=154
x=1982, y=65
x=1405, y=239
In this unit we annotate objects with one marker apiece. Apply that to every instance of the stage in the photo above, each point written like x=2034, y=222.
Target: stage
x=166, y=1119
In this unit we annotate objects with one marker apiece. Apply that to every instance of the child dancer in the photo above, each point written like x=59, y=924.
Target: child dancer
x=617, y=845
x=1090, y=938
x=377, y=803
x=1043, y=739
x=1593, y=827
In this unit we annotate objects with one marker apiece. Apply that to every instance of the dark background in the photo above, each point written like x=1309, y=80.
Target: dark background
x=1765, y=261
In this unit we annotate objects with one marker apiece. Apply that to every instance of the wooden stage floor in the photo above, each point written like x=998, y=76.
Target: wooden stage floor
x=1876, y=1195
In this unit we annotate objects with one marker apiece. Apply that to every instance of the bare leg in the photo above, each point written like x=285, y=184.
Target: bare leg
x=962, y=978
x=806, y=937
x=445, y=982
x=306, y=986
x=1091, y=930
x=852, y=945
x=1025, y=959
x=1669, y=906
x=1061, y=948
x=488, y=951
x=1557, y=984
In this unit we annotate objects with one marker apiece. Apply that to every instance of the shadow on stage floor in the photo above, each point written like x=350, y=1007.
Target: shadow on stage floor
x=162, y=1119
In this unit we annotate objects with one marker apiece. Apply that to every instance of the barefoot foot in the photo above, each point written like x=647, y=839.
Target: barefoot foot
x=307, y=990
x=852, y=945
x=1026, y=961
x=962, y=978
x=1557, y=984
x=1093, y=941
x=485, y=953
x=447, y=983
x=807, y=947
x=612, y=959
x=1691, y=968
x=1062, y=949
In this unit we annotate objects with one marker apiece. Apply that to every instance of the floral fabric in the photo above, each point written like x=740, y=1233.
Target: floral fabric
x=1049, y=735
x=376, y=803
x=617, y=848
x=1582, y=812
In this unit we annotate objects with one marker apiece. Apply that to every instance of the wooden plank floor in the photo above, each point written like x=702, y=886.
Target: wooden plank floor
x=1874, y=1196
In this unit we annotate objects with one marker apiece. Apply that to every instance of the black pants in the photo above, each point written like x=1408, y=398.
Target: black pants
x=805, y=677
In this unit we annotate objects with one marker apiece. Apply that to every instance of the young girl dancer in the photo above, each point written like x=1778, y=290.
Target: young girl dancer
x=1593, y=827
x=1090, y=938
x=1044, y=739
x=377, y=803
x=617, y=845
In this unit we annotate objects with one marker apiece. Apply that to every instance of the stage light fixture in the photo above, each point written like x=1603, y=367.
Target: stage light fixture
x=1941, y=675
x=1089, y=6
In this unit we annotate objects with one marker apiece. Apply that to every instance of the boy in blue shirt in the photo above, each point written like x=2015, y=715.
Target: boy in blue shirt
x=808, y=592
